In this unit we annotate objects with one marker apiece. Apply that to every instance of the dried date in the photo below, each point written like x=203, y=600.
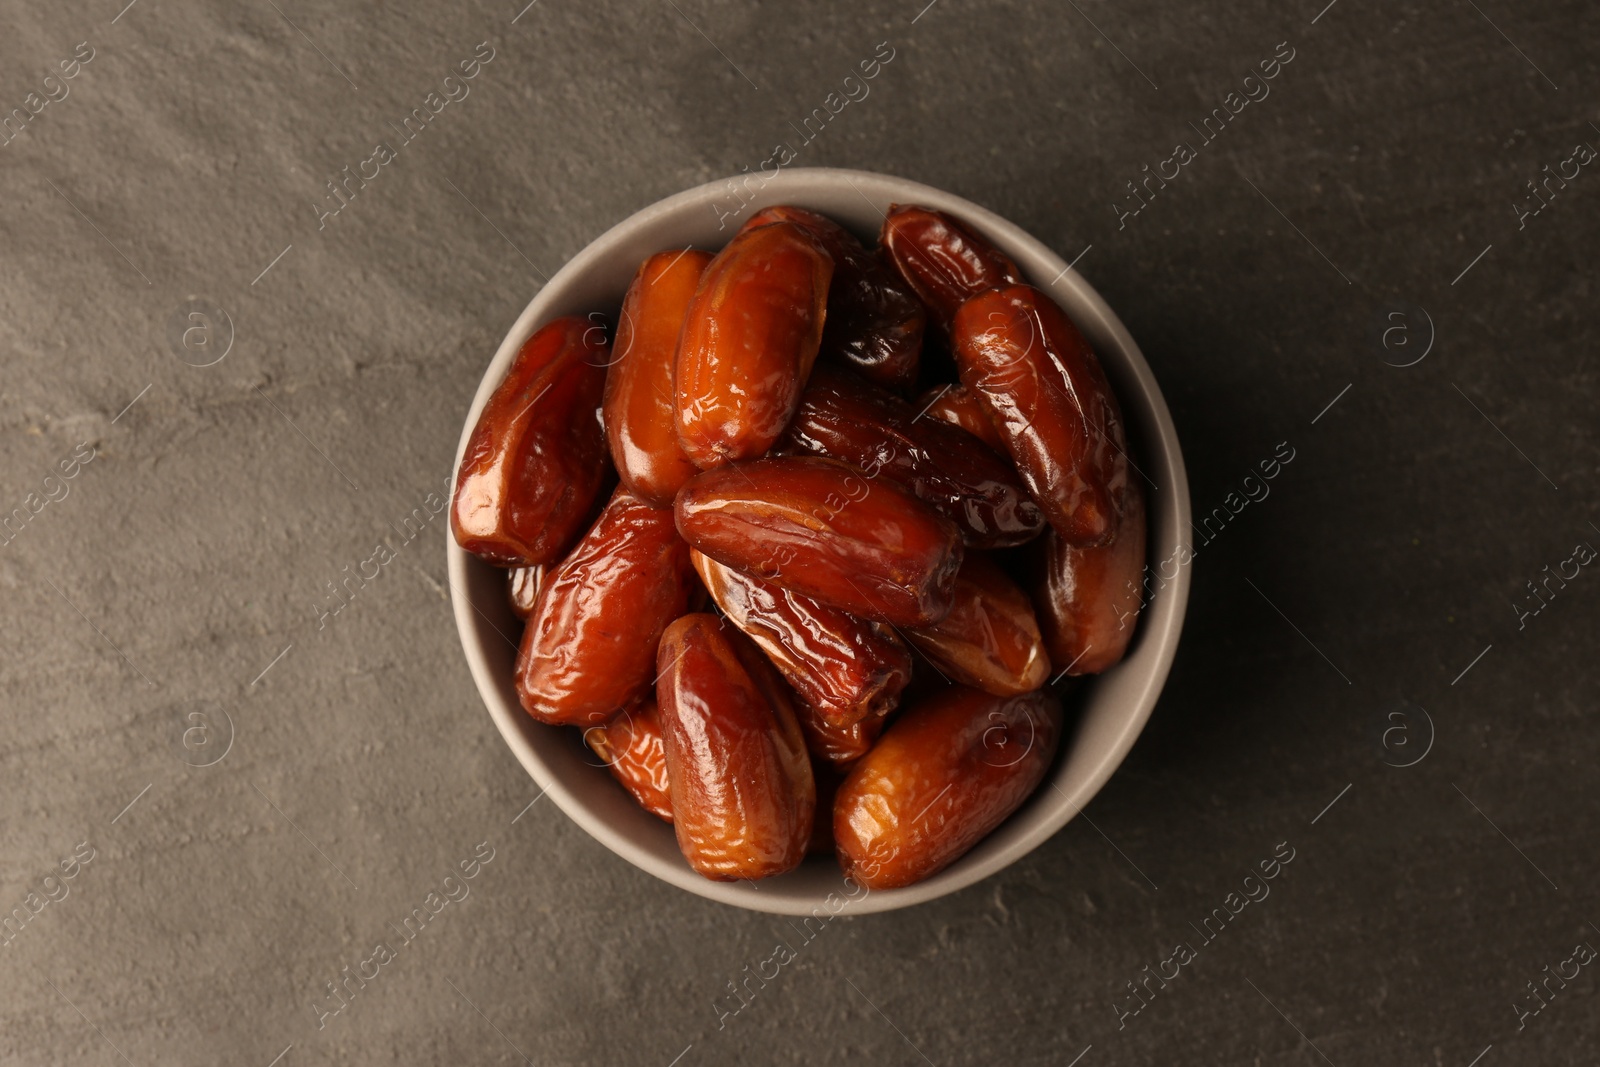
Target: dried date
x=821, y=528
x=589, y=648
x=743, y=796
x=941, y=778
x=536, y=461
x=844, y=668
x=1052, y=405
x=639, y=405
x=749, y=340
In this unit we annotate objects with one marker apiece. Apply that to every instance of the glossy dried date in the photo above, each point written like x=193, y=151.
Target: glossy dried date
x=843, y=668
x=849, y=419
x=942, y=260
x=749, y=340
x=525, y=582
x=536, y=461
x=821, y=528
x=639, y=404
x=589, y=648
x=960, y=406
x=944, y=775
x=875, y=322
x=743, y=797
x=1089, y=599
x=990, y=640
x=836, y=744
x=1052, y=405
x=630, y=743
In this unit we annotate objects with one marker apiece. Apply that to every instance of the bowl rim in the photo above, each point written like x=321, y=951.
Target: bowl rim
x=1160, y=622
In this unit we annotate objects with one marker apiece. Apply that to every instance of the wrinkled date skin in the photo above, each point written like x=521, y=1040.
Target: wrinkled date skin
x=1089, y=599
x=1052, y=405
x=944, y=262
x=631, y=745
x=639, y=404
x=960, y=406
x=749, y=340
x=536, y=462
x=525, y=582
x=990, y=640
x=875, y=322
x=842, y=668
x=589, y=648
x=821, y=528
x=835, y=744
x=743, y=796
x=846, y=418
x=945, y=774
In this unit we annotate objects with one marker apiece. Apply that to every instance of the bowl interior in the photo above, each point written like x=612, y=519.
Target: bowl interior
x=1110, y=709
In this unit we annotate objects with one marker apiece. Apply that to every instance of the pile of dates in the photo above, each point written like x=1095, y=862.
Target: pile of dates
x=871, y=501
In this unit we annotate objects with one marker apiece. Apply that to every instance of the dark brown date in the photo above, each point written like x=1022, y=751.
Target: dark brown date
x=960, y=406
x=835, y=744
x=743, y=797
x=589, y=648
x=639, y=405
x=1052, y=405
x=525, y=582
x=846, y=418
x=942, y=260
x=875, y=322
x=990, y=640
x=945, y=774
x=844, y=668
x=748, y=343
x=630, y=743
x=823, y=529
x=1089, y=599
x=827, y=778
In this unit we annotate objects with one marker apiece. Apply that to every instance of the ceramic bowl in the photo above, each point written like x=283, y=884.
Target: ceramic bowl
x=1108, y=712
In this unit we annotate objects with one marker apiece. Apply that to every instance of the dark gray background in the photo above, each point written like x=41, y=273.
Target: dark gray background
x=193, y=553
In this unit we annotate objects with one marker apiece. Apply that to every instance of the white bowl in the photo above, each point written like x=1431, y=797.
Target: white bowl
x=1110, y=709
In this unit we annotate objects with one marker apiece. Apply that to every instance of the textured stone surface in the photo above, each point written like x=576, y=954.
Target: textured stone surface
x=195, y=550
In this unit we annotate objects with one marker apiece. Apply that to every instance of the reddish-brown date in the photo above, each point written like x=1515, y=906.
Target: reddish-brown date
x=1052, y=405
x=1089, y=599
x=960, y=406
x=843, y=668
x=524, y=583
x=945, y=774
x=743, y=796
x=875, y=322
x=990, y=640
x=849, y=419
x=536, y=461
x=942, y=260
x=630, y=743
x=589, y=648
x=639, y=406
x=823, y=529
x=835, y=744
x=748, y=343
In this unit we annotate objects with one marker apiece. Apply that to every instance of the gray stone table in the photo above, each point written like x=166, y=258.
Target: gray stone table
x=217, y=393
